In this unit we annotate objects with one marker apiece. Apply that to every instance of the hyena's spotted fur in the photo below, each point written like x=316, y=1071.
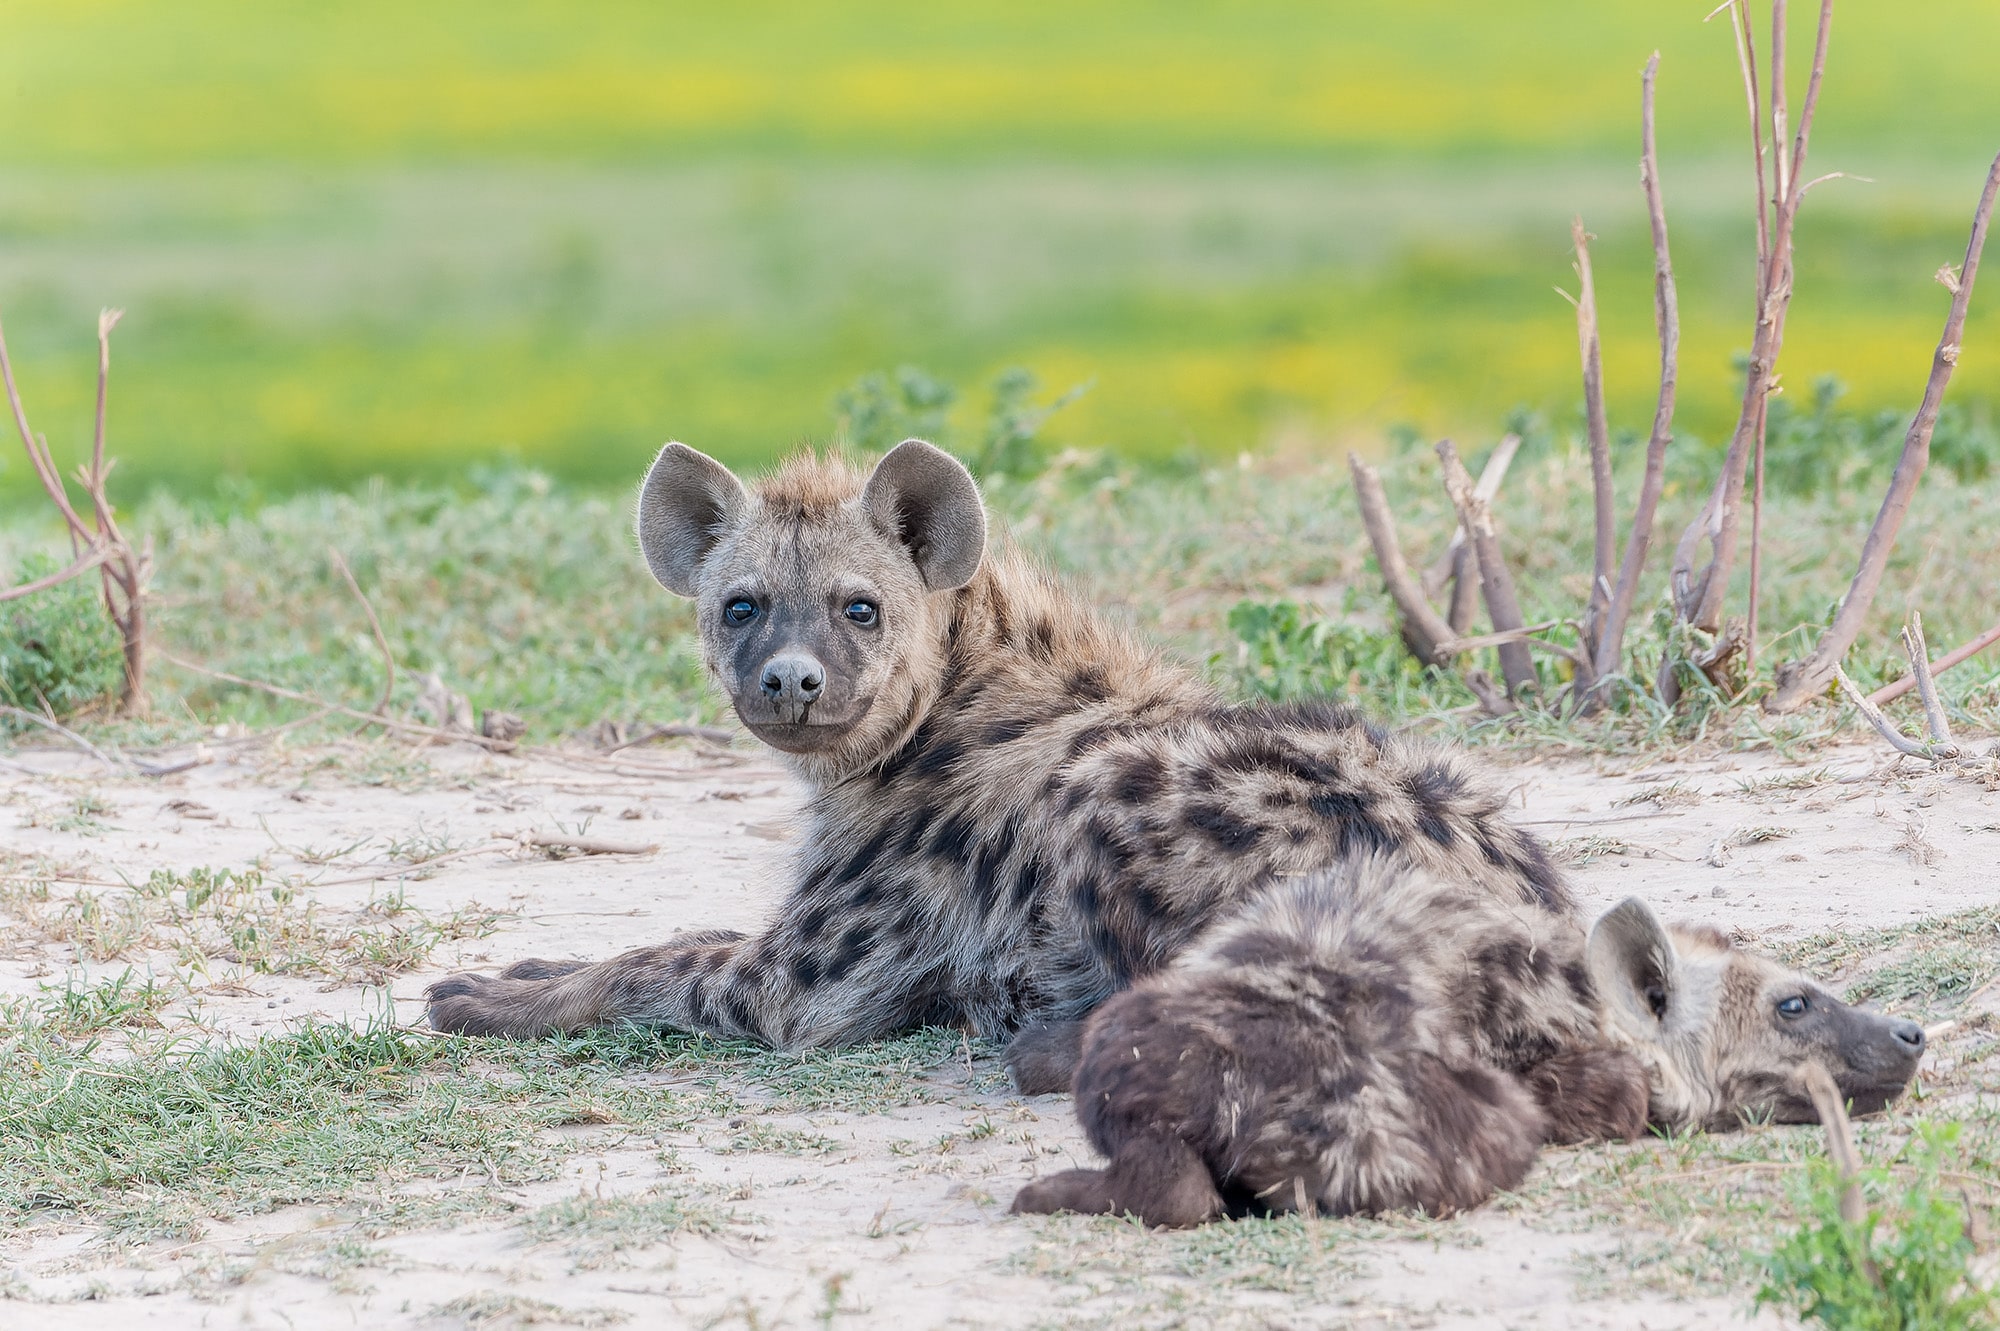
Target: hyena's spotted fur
x=1015, y=810
x=1321, y=1048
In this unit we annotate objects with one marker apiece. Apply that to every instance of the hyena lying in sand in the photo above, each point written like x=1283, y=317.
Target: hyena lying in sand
x=1014, y=810
x=1377, y=1037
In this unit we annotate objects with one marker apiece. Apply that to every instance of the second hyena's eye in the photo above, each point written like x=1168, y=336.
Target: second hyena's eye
x=740, y=611
x=861, y=612
x=1792, y=1007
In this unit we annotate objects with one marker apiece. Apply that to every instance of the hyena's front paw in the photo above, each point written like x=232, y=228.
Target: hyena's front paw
x=470, y=1004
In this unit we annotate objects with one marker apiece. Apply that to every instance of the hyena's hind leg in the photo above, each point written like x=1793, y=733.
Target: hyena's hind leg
x=536, y=997
x=1043, y=1058
x=1159, y=1179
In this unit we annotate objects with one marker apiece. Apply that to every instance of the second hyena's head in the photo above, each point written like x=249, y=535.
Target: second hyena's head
x=1728, y=1035
x=820, y=593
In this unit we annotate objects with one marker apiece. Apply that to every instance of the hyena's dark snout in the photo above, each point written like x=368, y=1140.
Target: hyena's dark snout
x=791, y=682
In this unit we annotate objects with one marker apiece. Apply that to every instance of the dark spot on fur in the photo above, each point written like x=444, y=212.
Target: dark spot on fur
x=853, y=947
x=805, y=970
x=1042, y=639
x=864, y=859
x=1027, y=881
x=1222, y=827
x=1006, y=731
x=1089, y=684
x=953, y=840
x=937, y=758
x=1110, y=841
x=1138, y=778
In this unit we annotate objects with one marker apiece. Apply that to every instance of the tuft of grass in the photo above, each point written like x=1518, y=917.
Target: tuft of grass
x=1942, y=958
x=594, y=1230
x=59, y=651
x=241, y=917
x=1904, y=1267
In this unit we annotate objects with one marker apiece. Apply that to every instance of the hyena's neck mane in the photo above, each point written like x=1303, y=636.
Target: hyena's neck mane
x=1019, y=652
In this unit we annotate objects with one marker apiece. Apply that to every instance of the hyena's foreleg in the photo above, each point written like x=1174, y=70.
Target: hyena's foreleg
x=776, y=988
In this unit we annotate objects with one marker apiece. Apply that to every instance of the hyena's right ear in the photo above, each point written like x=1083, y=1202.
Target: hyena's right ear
x=688, y=502
x=1634, y=968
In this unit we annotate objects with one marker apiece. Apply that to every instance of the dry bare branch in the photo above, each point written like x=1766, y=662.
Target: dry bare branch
x=1502, y=606
x=1832, y=1113
x=1423, y=629
x=1698, y=595
x=1958, y=655
x=374, y=626
x=676, y=730
x=1464, y=589
x=1919, y=653
x=83, y=565
x=588, y=845
x=1604, y=498
x=1610, y=646
x=1898, y=741
x=1491, y=477
x=1492, y=698
x=55, y=727
x=1801, y=680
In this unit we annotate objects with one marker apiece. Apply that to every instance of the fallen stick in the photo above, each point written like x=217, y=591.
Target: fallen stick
x=1891, y=692
x=588, y=845
x=66, y=733
x=676, y=730
x=1517, y=667
x=407, y=727
x=1424, y=630
x=1900, y=742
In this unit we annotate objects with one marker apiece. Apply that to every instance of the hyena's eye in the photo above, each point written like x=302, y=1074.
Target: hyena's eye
x=740, y=611
x=861, y=612
x=1792, y=1007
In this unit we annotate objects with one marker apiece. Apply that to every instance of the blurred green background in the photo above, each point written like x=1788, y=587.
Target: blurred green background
x=399, y=237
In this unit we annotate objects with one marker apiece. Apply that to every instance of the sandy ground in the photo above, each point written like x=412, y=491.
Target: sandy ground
x=877, y=1231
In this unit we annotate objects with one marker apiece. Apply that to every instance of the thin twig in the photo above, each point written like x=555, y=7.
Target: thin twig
x=585, y=844
x=1802, y=680
x=1827, y=1103
x=375, y=627
x=1491, y=477
x=1919, y=653
x=1756, y=543
x=1453, y=646
x=1900, y=742
x=676, y=730
x=88, y=561
x=1958, y=655
x=405, y=727
x=1423, y=630
x=1666, y=317
x=1604, y=498
x=56, y=727
x=1502, y=606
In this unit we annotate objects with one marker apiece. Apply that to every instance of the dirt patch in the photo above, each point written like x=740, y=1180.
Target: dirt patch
x=356, y=875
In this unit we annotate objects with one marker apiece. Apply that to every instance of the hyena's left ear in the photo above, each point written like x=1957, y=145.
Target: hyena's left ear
x=687, y=503
x=1633, y=966
x=924, y=499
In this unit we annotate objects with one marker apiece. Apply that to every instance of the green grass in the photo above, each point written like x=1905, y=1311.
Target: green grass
x=564, y=234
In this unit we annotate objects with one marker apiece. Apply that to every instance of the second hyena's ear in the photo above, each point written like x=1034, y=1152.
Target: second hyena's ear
x=923, y=498
x=1633, y=966
x=687, y=503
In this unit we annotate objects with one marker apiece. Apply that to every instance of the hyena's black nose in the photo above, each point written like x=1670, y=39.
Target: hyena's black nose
x=1909, y=1035
x=793, y=679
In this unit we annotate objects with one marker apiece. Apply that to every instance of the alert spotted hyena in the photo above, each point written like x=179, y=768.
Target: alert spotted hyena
x=1377, y=1037
x=1015, y=811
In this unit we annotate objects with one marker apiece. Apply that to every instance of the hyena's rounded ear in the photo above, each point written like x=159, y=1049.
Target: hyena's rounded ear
x=1633, y=966
x=924, y=498
x=687, y=503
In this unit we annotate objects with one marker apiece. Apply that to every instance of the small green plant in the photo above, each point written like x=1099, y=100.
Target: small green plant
x=880, y=410
x=1287, y=651
x=58, y=648
x=1903, y=1267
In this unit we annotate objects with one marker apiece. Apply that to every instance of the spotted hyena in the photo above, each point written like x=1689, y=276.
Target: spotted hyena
x=1014, y=810
x=1376, y=1037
